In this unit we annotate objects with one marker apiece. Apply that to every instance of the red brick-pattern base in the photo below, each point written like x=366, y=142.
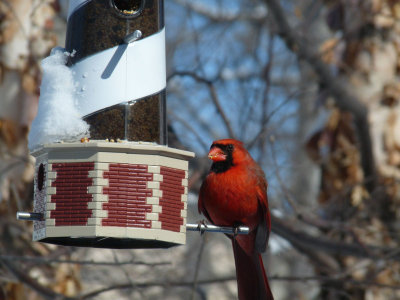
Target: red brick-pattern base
x=111, y=194
x=71, y=198
x=171, y=200
x=127, y=192
x=118, y=195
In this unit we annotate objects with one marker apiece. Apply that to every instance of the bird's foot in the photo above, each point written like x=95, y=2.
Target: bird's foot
x=236, y=229
x=202, y=226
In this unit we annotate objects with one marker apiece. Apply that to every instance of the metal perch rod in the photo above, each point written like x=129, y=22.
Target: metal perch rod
x=29, y=216
x=32, y=216
x=213, y=228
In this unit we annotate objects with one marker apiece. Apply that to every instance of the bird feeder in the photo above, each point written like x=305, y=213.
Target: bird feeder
x=123, y=188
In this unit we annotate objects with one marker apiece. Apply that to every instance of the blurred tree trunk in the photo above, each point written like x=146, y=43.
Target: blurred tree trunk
x=26, y=37
x=365, y=54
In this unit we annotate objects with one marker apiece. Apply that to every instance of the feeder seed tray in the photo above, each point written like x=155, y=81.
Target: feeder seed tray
x=112, y=195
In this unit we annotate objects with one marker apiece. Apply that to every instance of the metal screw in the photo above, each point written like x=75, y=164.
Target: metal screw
x=134, y=36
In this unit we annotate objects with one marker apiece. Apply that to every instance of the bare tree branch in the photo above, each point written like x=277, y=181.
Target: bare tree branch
x=343, y=97
x=329, y=280
x=226, y=279
x=49, y=294
x=45, y=260
x=182, y=283
x=333, y=280
x=23, y=277
x=256, y=13
x=214, y=97
x=189, y=128
x=300, y=239
x=197, y=268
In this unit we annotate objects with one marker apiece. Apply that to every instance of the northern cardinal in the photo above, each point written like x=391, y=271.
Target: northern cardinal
x=234, y=193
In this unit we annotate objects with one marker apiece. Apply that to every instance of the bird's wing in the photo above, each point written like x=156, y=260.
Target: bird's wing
x=264, y=227
x=200, y=203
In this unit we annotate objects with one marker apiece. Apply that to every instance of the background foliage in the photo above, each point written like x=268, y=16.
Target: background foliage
x=310, y=86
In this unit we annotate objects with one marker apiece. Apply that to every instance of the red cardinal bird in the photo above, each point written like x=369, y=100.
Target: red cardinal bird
x=234, y=193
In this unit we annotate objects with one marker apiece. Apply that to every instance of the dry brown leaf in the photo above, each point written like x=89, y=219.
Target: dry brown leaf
x=68, y=279
x=396, y=10
x=29, y=83
x=334, y=119
x=298, y=13
x=357, y=195
x=383, y=21
x=9, y=133
x=15, y=291
x=391, y=94
x=328, y=51
x=392, y=138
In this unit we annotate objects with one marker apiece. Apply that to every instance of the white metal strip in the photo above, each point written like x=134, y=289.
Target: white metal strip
x=123, y=73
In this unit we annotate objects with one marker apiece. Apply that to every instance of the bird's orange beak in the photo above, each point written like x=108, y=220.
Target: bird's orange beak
x=216, y=154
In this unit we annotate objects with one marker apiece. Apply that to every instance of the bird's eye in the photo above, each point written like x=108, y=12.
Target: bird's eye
x=229, y=147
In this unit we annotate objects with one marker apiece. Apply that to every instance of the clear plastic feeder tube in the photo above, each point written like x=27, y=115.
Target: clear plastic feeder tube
x=118, y=60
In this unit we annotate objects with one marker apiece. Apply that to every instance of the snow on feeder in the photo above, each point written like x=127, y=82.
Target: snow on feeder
x=125, y=188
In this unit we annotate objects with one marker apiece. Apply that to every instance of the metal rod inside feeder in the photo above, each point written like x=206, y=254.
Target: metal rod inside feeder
x=213, y=228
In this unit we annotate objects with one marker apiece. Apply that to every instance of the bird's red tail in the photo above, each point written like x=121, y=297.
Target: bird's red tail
x=251, y=278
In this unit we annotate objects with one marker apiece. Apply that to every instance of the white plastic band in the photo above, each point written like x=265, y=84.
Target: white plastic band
x=74, y=4
x=119, y=74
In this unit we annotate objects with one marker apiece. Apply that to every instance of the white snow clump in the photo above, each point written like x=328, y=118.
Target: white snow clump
x=58, y=118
